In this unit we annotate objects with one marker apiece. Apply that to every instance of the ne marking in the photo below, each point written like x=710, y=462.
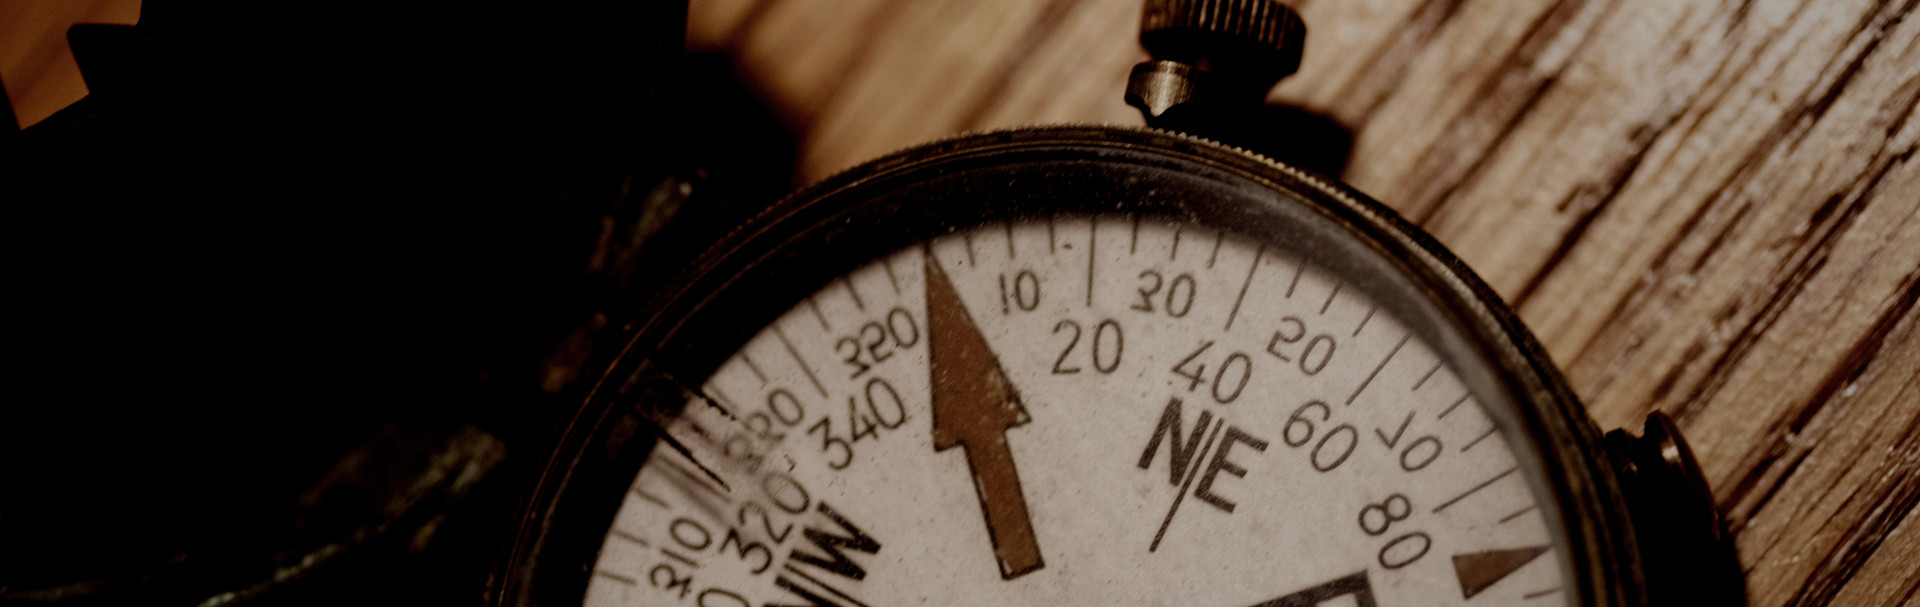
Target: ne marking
x=1476, y=488
x=1376, y=370
x=1254, y=265
x=802, y=362
x=1193, y=470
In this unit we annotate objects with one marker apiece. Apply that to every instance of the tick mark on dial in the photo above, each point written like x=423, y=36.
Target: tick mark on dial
x=1476, y=488
x=1051, y=247
x=1217, y=239
x=785, y=584
x=631, y=538
x=1476, y=440
x=651, y=498
x=887, y=264
x=1456, y=404
x=1175, y=255
x=1364, y=319
x=815, y=307
x=1540, y=593
x=1010, y=253
x=1518, y=513
x=686, y=479
x=1330, y=296
x=1429, y=375
x=857, y=303
x=755, y=368
x=967, y=238
x=1251, y=266
x=714, y=394
x=616, y=577
x=1133, y=242
x=1093, y=241
x=815, y=379
x=1297, y=271
x=1376, y=369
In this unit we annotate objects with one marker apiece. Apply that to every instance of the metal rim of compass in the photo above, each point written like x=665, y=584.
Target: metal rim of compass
x=797, y=245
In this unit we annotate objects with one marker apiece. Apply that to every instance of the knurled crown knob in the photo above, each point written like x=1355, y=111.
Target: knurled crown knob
x=1252, y=42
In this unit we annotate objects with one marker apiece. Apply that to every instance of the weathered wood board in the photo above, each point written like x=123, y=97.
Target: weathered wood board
x=1710, y=207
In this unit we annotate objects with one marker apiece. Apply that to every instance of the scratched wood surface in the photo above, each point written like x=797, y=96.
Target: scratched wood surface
x=1710, y=207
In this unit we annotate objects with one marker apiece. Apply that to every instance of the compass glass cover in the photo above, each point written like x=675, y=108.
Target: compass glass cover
x=1090, y=409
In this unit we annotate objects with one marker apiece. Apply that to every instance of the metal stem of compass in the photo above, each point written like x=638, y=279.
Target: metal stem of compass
x=1212, y=61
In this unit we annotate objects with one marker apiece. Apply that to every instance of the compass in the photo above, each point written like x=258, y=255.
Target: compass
x=1096, y=366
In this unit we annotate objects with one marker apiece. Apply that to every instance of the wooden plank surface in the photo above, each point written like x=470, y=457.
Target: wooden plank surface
x=35, y=66
x=1710, y=207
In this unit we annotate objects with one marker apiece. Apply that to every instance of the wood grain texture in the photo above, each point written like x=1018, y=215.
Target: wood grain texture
x=1710, y=207
x=35, y=65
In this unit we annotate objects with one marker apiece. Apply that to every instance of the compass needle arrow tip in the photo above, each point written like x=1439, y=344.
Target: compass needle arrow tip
x=973, y=405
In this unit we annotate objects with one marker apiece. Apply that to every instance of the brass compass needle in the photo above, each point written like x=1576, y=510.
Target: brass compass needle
x=973, y=405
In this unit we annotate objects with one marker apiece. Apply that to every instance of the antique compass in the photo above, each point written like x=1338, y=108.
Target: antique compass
x=1103, y=366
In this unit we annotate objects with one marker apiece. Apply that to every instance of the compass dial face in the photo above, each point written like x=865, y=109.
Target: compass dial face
x=1089, y=410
